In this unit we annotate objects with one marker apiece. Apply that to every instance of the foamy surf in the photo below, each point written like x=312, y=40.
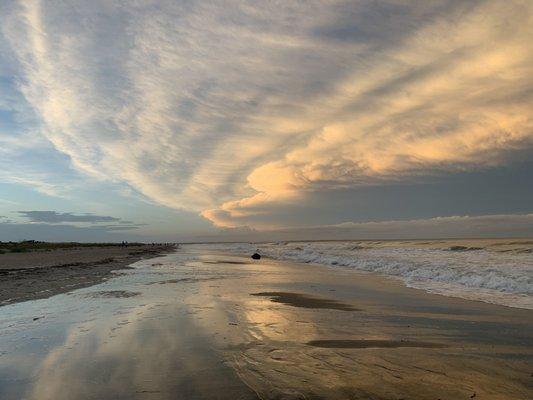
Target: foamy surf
x=499, y=272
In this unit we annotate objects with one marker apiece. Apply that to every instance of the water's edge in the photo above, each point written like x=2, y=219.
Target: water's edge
x=492, y=271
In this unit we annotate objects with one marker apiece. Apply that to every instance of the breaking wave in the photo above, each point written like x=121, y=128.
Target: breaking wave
x=494, y=272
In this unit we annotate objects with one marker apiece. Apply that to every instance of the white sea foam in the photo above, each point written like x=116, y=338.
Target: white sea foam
x=500, y=273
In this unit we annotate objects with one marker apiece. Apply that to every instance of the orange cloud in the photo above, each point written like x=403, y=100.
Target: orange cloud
x=231, y=117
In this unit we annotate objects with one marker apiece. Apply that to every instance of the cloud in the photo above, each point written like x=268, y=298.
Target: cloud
x=48, y=218
x=484, y=226
x=455, y=226
x=236, y=109
x=15, y=231
x=465, y=226
x=39, y=182
x=53, y=217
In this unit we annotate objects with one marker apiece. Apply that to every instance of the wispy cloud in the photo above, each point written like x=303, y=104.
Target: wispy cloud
x=38, y=182
x=233, y=109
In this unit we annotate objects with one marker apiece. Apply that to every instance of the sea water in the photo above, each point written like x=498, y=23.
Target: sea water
x=493, y=271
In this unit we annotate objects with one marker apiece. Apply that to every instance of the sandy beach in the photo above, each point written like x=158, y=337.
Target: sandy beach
x=202, y=324
x=272, y=200
x=314, y=331
x=39, y=274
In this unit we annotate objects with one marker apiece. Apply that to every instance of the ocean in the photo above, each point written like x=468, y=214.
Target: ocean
x=498, y=271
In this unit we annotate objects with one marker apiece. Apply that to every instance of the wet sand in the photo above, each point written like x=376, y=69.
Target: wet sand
x=201, y=325
x=371, y=344
x=384, y=341
x=40, y=274
x=305, y=301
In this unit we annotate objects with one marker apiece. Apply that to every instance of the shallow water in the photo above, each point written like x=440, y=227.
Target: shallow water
x=200, y=324
x=127, y=338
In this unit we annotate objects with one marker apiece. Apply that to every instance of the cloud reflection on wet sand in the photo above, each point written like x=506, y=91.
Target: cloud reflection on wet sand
x=160, y=353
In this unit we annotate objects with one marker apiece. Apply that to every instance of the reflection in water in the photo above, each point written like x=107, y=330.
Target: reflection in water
x=158, y=353
x=186, y=327
x=305, y=340
x=128, y=338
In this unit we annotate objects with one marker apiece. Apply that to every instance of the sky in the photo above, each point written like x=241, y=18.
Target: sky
x=191, y=120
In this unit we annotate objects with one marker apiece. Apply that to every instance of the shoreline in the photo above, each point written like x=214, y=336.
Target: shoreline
x=402, y=342
x=491, y=271
x=38, y=275
x=221, y=325
x=398, y=279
